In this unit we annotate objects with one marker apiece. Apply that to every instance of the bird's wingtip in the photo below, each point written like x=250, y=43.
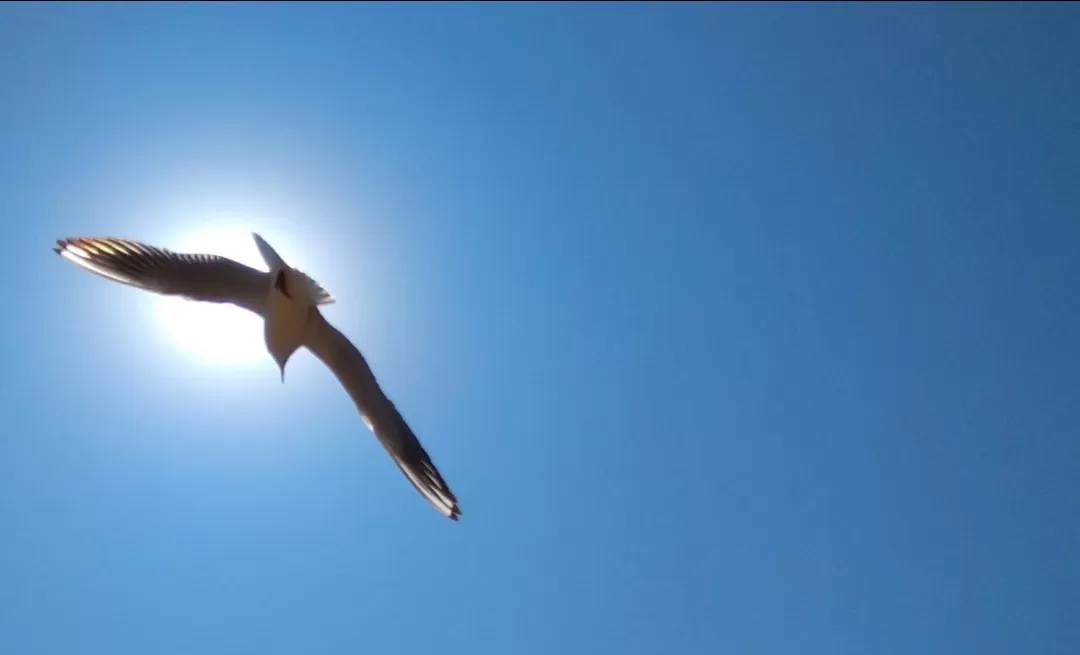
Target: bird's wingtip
x=63, y=245
x=269, y=255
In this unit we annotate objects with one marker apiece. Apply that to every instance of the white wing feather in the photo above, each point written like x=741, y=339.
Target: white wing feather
x=380, y=415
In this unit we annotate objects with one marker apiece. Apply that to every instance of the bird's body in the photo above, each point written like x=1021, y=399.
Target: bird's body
x=288, y=300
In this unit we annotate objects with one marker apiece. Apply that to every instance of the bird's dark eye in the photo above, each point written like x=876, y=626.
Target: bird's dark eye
x=279, y=284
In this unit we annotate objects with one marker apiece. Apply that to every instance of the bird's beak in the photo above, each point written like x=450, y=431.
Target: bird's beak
x=281, y=366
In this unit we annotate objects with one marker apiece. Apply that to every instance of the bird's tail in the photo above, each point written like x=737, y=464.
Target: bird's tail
x=276, y=263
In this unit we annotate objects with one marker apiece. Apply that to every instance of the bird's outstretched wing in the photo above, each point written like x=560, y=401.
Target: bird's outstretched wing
x=208, y=278
x=351, y=369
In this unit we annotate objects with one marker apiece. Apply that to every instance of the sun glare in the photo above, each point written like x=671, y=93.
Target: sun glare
x=210, y=332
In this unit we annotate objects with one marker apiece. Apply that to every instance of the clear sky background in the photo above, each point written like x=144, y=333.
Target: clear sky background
x=735, y=328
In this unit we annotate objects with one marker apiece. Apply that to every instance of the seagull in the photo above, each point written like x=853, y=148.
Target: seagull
x=288, y=300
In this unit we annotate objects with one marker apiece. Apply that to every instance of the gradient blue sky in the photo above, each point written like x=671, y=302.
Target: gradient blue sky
x=736, y=329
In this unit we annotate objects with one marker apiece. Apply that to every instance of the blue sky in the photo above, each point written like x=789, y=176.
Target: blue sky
x=735, y=328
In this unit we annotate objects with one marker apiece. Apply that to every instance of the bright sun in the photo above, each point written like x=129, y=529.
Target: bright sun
x=211, y=332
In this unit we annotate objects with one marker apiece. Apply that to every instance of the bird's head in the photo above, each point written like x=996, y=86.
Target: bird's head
x=286, y=325
x=291, y=307
x=281, y=353
x=292, y=301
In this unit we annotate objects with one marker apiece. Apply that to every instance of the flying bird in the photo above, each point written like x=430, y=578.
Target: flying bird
x=288, y=300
